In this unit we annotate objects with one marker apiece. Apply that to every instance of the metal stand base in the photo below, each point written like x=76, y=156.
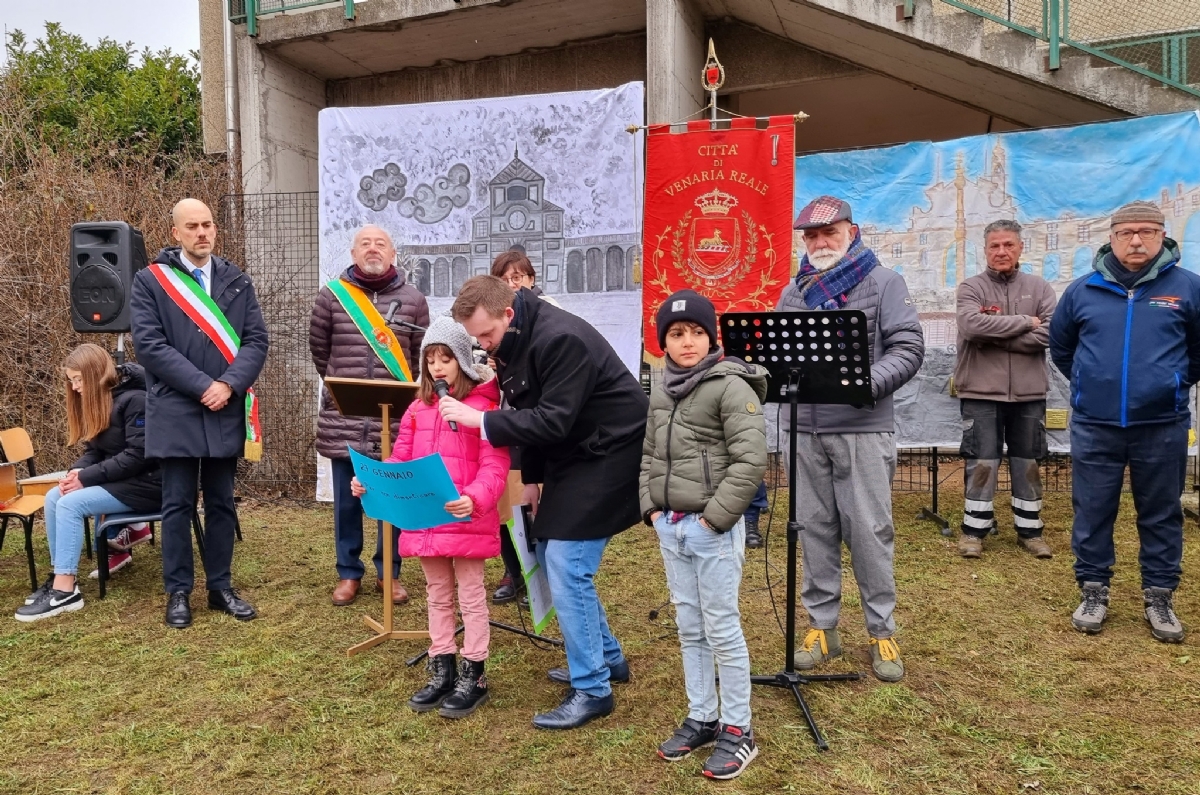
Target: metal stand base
x=411, y=661
x=790, y=680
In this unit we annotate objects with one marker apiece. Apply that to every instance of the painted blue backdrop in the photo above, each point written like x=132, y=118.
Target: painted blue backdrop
x=922, y=208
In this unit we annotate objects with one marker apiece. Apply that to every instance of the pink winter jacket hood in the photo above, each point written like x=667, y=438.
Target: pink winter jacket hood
x=478, y=470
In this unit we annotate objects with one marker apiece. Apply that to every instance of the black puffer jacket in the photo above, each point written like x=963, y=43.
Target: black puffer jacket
x=116, y=459
x=339, y=350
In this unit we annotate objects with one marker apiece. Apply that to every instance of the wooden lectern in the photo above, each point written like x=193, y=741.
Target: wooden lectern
x=381, y=400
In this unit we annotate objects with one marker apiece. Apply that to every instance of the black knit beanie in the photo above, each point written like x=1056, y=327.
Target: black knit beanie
x=690, y=306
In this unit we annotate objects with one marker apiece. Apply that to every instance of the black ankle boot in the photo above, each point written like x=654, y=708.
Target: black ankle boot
x=441, y=684
x=753, y=539
x=470, y=693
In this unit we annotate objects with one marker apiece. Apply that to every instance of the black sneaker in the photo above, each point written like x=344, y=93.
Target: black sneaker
x=687, y=738
x=735, y=749
x=51, y=603
x=43, y=588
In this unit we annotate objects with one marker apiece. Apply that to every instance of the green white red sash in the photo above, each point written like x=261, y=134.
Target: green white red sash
x=372, y=326
x=204, y=312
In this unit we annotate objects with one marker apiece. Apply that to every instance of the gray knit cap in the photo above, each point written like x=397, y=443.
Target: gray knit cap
x=445, y=331
x=1135, y=212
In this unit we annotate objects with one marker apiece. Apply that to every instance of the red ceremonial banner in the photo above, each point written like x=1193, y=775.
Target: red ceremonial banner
x=718, y=216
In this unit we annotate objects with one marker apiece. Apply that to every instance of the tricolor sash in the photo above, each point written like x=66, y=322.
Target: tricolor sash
x=372, y=326
x=204, y=312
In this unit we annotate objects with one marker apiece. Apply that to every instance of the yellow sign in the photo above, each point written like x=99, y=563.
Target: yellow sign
x=1056, y=419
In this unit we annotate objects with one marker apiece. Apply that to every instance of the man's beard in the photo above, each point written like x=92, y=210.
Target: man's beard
x=826, y=258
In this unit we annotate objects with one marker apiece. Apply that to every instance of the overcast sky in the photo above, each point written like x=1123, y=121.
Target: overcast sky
x=147, y=23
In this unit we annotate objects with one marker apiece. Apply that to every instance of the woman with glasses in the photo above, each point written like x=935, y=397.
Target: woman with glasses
x=105, y=408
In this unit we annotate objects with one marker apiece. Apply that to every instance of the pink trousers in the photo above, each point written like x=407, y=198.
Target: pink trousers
x=440, y=574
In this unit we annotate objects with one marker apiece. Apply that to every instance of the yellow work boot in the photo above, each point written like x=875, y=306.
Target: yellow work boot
x=820, y=645
x=885, y=660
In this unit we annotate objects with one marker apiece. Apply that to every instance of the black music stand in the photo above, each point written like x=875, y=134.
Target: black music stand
x=810, y=357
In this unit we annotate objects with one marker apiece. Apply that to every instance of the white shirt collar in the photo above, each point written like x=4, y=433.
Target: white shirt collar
x=206, y=268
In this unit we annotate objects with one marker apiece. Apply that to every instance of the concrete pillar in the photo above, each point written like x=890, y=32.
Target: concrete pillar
x=675, y=51
x=212, y=60
x=279, y=107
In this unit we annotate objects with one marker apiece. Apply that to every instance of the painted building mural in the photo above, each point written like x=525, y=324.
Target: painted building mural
x=923, y=207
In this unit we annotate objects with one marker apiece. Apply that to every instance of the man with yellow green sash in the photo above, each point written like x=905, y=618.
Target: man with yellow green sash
x=350, y=336
x=199, y=333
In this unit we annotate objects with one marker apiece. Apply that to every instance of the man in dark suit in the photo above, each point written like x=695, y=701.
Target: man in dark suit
x=580, y=419
x=199, y=332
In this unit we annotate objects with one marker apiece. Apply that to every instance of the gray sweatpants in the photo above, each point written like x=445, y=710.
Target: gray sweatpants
x=844, y=495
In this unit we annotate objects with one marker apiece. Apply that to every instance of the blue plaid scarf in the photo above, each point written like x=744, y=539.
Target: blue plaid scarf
x=827, y=289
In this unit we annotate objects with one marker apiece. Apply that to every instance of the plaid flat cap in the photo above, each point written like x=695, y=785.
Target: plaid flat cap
x=823, y=211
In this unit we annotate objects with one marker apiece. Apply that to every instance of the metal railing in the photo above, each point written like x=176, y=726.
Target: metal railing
x=1160, y=40
x=247, y=12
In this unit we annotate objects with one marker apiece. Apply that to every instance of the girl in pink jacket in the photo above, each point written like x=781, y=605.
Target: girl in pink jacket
x=454, y=551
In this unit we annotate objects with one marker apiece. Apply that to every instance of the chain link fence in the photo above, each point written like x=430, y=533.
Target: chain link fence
x=274, y=237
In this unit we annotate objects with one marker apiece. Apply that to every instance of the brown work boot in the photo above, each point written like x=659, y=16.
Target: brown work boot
x=1036, y=546
x=970, y=546
x=346, y=592
x=399, y=595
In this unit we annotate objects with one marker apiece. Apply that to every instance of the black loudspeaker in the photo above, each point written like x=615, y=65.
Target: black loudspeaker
x=105, y=255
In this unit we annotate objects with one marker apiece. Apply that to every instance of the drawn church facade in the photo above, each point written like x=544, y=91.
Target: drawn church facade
x=520, y=217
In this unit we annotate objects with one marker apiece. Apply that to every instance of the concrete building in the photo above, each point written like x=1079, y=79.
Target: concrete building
x=866, y=74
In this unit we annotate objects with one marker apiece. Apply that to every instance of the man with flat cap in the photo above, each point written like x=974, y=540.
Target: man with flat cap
x=846, y=455
x=1128, y=338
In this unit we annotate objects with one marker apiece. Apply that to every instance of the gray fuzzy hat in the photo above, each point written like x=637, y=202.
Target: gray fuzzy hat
x=445, y=331
x=1135, y=212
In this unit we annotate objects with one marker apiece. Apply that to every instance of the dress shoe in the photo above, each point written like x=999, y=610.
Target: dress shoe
x=227, y=600
x=617, y=674
x=179, y=610
x=346, y=592
x=399, y=595
x=577, y=709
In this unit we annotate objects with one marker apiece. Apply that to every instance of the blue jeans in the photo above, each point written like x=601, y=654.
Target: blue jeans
x=704, y=573
x=590, y=645
x=1157, y=459
x=64, y=522
x=348, y=528
x=758, y=504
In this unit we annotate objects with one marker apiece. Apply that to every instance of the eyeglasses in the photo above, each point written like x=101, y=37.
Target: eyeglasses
x=1125, y=235
x=515, y=277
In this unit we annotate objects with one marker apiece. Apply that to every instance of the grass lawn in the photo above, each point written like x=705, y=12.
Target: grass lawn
x=1001, y=694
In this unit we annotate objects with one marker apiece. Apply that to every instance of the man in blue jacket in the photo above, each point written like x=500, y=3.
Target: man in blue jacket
x=1128, y=339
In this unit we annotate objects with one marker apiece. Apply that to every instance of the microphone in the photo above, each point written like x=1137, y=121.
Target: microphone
x=442, y=389
x=391, y=313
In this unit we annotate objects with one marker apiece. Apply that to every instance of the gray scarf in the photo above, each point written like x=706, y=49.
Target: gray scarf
x=679, y=381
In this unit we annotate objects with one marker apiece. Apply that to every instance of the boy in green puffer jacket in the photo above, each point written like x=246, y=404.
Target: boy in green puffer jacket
x=704, y=456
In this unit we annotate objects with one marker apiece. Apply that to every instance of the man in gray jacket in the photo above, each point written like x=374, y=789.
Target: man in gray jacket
x=1002, y=379
x=846, y=456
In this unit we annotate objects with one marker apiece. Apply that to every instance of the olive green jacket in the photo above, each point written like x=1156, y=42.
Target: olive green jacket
x=707, y=452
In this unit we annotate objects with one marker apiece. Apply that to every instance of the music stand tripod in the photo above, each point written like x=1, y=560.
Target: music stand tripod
x=810, y=357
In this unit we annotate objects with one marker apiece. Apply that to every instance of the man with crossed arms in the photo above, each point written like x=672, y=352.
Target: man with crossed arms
x=199, y=332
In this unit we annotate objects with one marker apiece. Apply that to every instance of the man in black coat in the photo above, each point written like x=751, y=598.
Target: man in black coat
x=580, y=418
x=196, y=420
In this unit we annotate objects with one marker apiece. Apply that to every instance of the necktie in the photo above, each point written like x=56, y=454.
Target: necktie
x=199, y=274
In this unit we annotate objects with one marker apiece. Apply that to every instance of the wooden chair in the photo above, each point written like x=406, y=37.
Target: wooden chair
x=22, y=508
